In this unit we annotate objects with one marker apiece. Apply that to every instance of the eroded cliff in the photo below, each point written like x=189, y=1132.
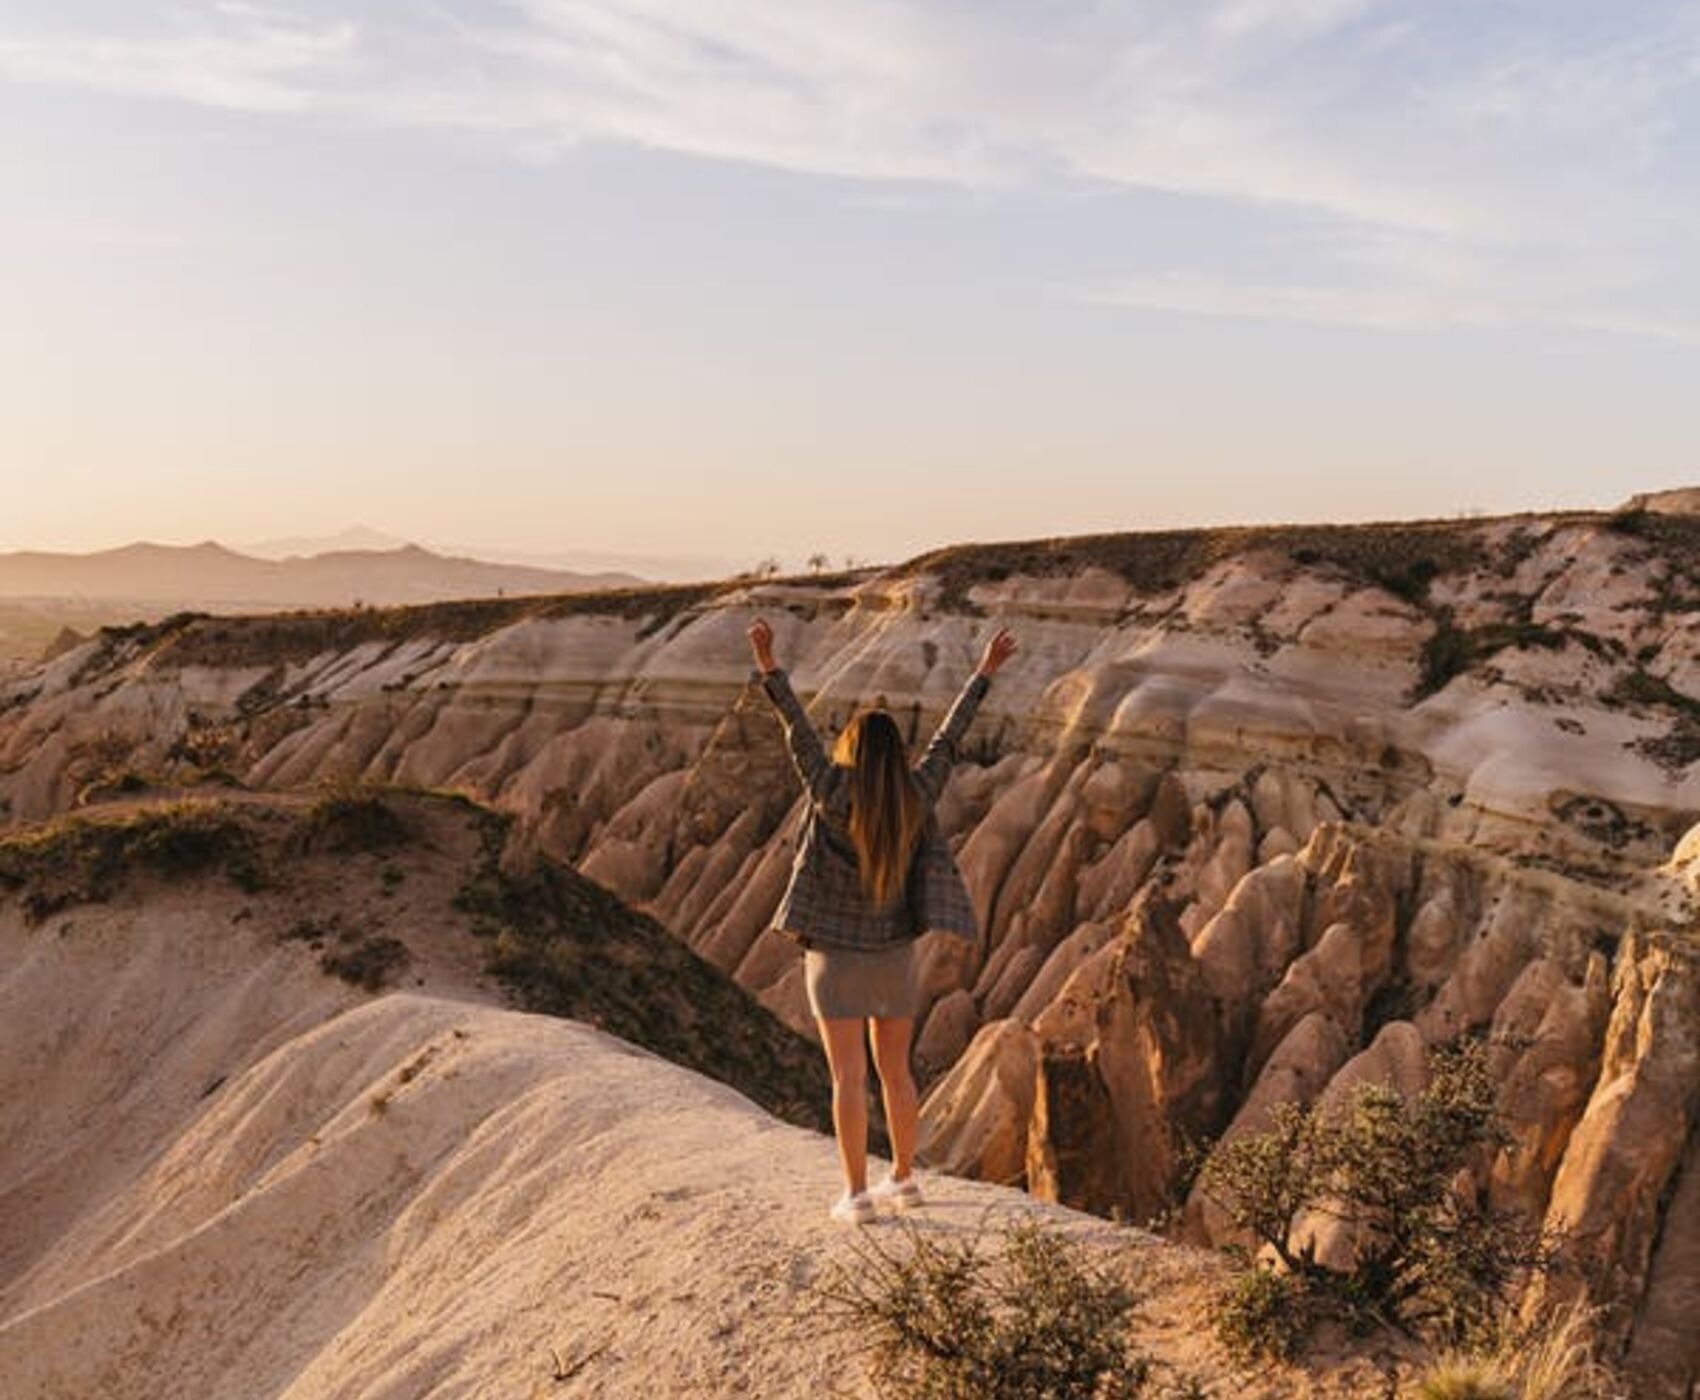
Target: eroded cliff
x=1255, y=816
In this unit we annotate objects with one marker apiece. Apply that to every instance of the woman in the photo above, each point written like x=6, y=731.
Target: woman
x=871, y=874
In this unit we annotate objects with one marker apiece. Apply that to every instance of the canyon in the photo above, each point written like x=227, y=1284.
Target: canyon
x=1255, y=816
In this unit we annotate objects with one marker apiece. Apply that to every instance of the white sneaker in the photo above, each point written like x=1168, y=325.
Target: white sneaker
x=900, y=1195
x=853, y=1210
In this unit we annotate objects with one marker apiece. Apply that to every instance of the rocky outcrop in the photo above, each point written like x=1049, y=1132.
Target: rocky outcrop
x=1128, y=1074
x=1621, y=1172
x=226, y=1173
x=1391, y=785
x=977, y=1119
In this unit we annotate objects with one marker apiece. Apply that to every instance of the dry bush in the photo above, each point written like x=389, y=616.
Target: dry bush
x=1554, y=1358
x=948, y=1319
x=1462, y=1377
x=367, y=963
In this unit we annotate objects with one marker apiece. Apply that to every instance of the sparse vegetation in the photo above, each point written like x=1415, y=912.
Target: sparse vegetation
x=559, y=943
x=949, y=1319
x=1408, y=578
x=277, y=639
x=1425, y=1258
x=209, y=745
x=1641, y=687
x=85, y=857
x=308, y=931
x=1679, y=746
x=1631, y=520
x=562, y=945
x=1401, y=557
x=351, y=817
x=1461, y=1377
x=1552, y=1358
x=104, y=765
x=1451, y=651
x=367, y=963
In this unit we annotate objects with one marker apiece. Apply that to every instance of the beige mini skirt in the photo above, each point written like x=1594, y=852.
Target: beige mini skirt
x=852, y=983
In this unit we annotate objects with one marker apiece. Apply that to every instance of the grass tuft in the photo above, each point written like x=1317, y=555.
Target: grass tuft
x=1552, y=1358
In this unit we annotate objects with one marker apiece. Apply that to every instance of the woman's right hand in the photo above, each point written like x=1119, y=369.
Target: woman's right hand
x=998, y=650
x=761, y=643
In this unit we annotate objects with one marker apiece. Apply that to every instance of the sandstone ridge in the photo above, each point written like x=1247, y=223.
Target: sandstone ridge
x=225, y=1172
x=1271, y=810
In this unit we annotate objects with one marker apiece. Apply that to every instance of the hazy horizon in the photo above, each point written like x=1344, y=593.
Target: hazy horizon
x=612, y=559
x=733, y=280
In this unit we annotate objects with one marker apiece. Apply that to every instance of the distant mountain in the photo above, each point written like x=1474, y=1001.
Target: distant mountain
x=659, y=568
x=354, y=537
x=209, y=574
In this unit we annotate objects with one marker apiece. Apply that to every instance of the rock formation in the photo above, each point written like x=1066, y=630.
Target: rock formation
x=1254, y=814
x=225, y=1171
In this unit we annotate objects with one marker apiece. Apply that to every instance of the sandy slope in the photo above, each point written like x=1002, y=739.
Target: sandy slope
x=421, y=1196
x=223, y=1174
x=300, y=1239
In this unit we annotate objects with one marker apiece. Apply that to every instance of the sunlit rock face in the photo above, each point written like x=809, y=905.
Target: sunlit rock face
x=1253, y=816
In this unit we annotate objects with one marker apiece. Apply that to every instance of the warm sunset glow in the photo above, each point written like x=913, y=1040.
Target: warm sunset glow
x=740, y=279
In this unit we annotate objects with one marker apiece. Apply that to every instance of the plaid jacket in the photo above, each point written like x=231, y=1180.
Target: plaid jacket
x=823, y=903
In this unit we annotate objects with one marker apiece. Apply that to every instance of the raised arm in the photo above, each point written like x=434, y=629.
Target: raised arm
x=941, y=751
x=813, y=765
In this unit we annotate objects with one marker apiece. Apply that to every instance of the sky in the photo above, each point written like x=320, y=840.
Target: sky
x=737, y=278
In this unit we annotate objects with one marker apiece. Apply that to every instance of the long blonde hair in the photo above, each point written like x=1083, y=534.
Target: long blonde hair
x=886, y=809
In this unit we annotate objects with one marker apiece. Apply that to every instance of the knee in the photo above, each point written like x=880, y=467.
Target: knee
x=850, y=1079
x=892, y=1063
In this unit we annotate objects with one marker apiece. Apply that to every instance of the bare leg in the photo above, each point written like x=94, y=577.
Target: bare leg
x=847, y=1056
x=902, y=1108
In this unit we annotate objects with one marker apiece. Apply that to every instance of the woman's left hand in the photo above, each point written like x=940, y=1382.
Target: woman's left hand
x=998, y=651
x=761, y=643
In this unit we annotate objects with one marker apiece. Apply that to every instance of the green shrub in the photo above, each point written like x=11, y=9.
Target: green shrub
x=1263, y=1313
x=1426, y=1258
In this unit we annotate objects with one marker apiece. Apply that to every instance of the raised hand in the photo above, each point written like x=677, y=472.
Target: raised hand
x=998, y=650
x=761, y=643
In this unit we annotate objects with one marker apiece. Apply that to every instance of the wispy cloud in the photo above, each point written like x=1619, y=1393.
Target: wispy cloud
x=265, y=66
x=1387, y=308
x=1448, y=148
x=1238, y=18
x=1144, y=96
